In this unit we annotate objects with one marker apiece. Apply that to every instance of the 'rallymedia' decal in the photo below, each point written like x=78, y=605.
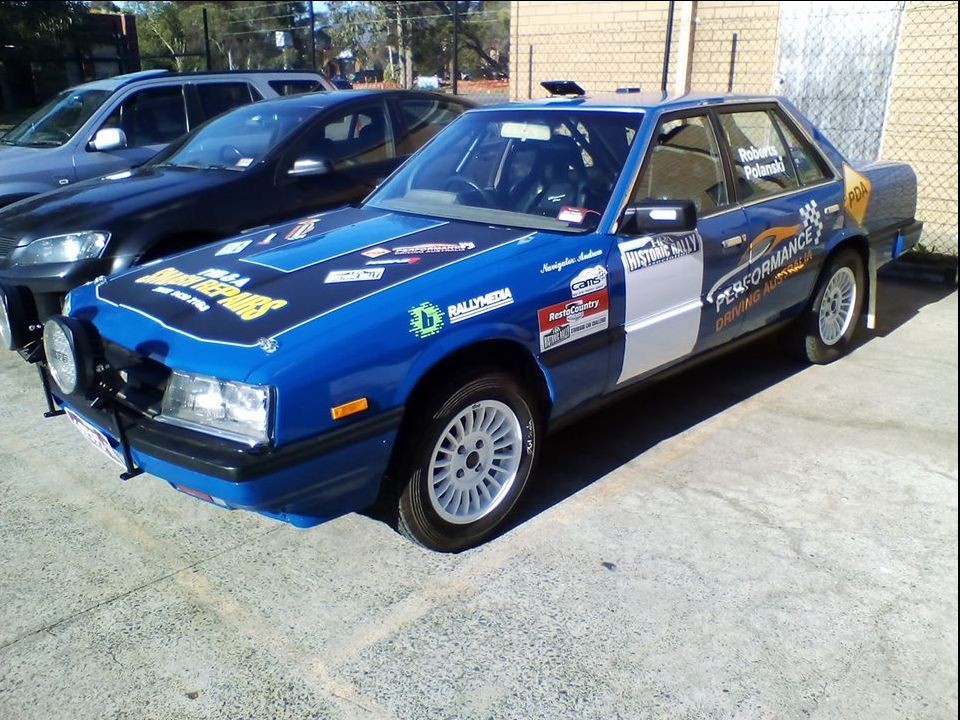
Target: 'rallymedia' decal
x=652, y=250
x=479, y=305
x=573, y=319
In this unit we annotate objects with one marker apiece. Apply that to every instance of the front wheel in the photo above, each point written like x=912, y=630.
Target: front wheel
x=825, y=331
x=470, y=461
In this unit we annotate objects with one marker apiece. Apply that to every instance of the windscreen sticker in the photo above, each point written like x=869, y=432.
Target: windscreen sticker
x=573, y=319
x=652, y=250
x=761, y=162
x=777, y=253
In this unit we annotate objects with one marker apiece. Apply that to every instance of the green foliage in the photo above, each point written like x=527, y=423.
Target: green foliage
x=35, y=29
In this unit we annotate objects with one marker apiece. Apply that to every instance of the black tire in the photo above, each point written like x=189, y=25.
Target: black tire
x=805, y=340
x=417, y=517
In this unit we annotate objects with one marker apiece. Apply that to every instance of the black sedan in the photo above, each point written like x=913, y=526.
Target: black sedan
x=256, y=165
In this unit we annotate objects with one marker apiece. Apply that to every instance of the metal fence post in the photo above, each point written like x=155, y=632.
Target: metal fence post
x=206, y=38
x=456, y=46
x=530, y=72
x=666, y=48
x=733, y=61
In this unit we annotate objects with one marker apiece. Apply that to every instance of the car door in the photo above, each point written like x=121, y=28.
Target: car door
x=150, y=118
x=791, y=197
x=357, y=143
x=667, y=278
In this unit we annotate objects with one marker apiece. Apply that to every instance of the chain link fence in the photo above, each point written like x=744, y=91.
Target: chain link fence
x=879, y=78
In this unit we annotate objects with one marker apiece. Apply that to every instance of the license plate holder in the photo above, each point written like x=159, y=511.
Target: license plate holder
x=95, y=437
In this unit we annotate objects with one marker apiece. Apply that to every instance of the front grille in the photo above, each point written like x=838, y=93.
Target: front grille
x=136, y=381
x=6, y=245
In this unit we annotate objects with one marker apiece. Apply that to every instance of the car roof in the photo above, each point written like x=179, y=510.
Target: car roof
x=118, y=81
x=330, y=98
x=633, y=101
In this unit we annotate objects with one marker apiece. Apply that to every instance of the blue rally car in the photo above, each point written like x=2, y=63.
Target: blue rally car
x=530, y=262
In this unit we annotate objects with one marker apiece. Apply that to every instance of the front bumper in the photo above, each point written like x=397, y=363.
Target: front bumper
x=303, y=483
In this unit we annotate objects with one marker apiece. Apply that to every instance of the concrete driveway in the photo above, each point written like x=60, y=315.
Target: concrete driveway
x=752, y=539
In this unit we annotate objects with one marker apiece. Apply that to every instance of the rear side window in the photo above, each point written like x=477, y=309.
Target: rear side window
x=217, y=98
x=424, y=118
x=684, y=165
x=154, y=116
x=806, y=162
x=760, y=161
x=347, y=139
x=294, y=87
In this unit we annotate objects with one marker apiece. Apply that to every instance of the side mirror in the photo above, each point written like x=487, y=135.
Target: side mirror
x=108, y=139
x=653, y=217
x=306, y=167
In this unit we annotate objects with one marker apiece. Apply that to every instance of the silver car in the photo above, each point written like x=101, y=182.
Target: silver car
x=109, y=125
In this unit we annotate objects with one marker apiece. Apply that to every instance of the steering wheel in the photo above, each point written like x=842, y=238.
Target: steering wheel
x=229, y=154
x=488, y=199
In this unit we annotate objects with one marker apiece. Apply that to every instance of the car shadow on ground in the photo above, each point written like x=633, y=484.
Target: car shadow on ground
x=594, y=446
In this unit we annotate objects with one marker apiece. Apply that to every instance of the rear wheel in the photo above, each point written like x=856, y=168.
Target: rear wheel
x=825, y=331
x=470, y=459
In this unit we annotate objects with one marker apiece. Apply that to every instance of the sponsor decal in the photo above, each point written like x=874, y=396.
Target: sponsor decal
x=394, y=261
x=341, y=276
x=234, y=248
x=761, y=162
x=572, y=214
x=588, y=280
x=652, y=250
x=432, y=248
x=220, y=285
x=856, y=193
x=773, y=256
x=301, y=229
x=426, y=319
x=573, y=319
x=375, y=252
x=467, y=309
x=566, y=262
x=268, y=239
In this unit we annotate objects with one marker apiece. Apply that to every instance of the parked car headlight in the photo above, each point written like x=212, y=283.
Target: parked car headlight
x=68, y=247
x=220, y=407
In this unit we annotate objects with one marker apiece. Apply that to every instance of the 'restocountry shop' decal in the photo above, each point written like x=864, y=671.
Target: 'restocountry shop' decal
x=652, y=250
x=262, y=292
x=573, y=319
x=479, y=305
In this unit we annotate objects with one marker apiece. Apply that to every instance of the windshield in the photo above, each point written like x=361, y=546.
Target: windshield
x=57, y=121
x=239, y=139
x=542, y=169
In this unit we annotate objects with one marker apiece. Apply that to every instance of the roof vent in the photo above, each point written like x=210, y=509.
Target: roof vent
x=628, y=90
x=562, y=88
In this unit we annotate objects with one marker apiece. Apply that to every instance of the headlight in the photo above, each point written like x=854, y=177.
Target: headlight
x=222, y=407
x=68, y=346
x=69, y=247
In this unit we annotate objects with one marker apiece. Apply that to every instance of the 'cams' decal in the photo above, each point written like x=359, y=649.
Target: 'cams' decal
x=647, y=251
x=479, y=305
x=426, y=319
x=589, y=280
x=247, y=306
x=573, y=319
x=568, y=261
x=777, y=254
x=856, y=193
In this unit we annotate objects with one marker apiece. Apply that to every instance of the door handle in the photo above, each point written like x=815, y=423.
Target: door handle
x=734, y=241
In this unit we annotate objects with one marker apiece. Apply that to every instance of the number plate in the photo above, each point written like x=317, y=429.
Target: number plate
x=95, y=438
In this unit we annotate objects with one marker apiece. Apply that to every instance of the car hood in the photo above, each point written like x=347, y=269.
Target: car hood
x=250, y=290
x=95, y=204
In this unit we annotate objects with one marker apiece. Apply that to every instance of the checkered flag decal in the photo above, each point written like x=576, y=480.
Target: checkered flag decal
x=811, y=217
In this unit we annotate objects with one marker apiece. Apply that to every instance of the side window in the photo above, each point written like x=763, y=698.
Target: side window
x=424, y=118
x=294, y=87
x=684, y=165
x=761, y=164
x=154, y=116
x=347, y=139
x=216, y=98
x=806, y=162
